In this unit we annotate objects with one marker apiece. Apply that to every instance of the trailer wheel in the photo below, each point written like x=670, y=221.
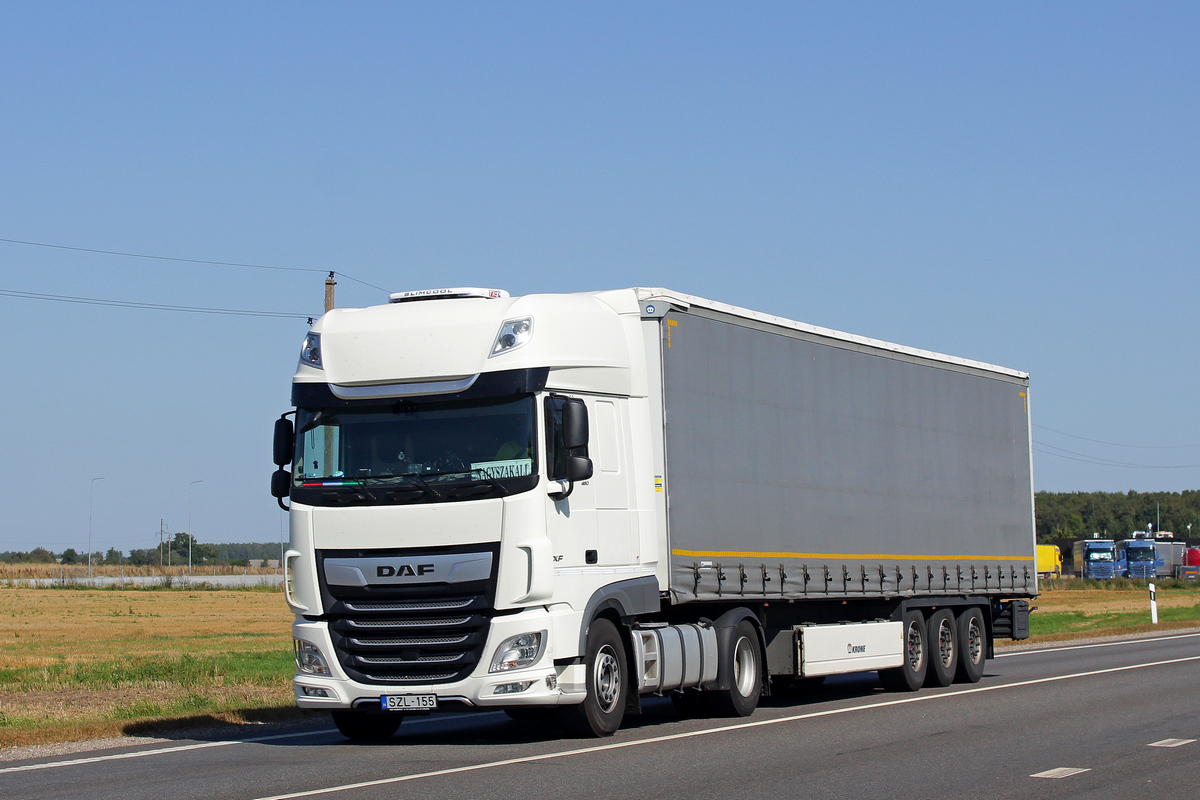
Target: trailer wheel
x=943, y=648
x=911, y=675
x=972, y=646
x=363, y=727
x=601, y=712
x=745, y=669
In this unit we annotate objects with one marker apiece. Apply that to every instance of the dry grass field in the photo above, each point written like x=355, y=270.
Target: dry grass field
x=12, y=572
x=76, y=663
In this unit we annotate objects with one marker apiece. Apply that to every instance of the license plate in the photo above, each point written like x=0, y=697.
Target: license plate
x=408, y=702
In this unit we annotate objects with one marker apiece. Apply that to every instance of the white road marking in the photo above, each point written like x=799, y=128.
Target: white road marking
x=1038, y=650
x=708, y=731
x=1171, y=743
x=1061, y=772
x=199, y=746
x=141, y=753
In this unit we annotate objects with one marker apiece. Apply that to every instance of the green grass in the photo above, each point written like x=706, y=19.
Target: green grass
x=1046, y=623
x=253, y=668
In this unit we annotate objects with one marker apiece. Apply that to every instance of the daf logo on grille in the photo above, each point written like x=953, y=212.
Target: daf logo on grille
x=403, y=570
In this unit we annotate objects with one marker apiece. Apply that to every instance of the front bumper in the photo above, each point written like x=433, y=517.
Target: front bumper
x=548, y=684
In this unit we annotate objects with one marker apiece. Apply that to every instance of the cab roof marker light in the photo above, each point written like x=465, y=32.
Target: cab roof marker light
x=443, y=294
x=310, y=351
x=513, y=333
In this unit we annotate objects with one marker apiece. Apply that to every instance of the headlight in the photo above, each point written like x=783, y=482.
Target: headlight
x=518, y=652
x=309, y=658
x=310, y=353
x=513, y=333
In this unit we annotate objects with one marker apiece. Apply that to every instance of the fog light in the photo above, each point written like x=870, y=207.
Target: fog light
x=512, y=688
x=314, y=691
x=309, y=659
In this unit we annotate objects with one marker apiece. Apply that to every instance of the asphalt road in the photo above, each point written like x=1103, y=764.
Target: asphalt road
x=1100, y=720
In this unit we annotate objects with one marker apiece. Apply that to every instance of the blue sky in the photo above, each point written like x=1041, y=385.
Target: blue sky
x=1015, y=183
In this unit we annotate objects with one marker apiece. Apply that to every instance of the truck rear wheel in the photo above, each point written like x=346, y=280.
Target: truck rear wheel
x=744, y=667
x=943, y=648
x=363, y=727
x=911, y=675
x=603, y=709
x=972, y=646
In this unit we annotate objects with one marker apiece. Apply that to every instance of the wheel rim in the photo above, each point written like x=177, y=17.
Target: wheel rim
x=607, y=673
x=745, y=667
x=974, y=641
x=916, y=648
x=946, y=643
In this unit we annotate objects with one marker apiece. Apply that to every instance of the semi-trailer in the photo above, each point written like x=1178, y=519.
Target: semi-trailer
x=1095, y=558
x=1169, y=556
x=564, y=503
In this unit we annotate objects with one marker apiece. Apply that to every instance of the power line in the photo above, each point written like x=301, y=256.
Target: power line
x=1104, y=462
x=187, y=260
x=95, y=301
x=1115, y=444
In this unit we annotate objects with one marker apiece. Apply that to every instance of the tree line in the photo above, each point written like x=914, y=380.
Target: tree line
x=1074, y=515
x=173, y=551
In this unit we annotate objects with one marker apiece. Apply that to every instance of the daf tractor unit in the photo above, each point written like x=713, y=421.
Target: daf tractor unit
x=557, y=505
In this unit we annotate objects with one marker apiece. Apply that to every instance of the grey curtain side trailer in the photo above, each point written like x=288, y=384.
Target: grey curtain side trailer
x=820, y=479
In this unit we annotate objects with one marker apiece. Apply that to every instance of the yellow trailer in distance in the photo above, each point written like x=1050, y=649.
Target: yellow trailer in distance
x=1049, y=561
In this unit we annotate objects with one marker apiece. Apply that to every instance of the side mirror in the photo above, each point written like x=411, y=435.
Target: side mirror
x=281, y=483
x=579, y=468
x=285, y=442
x=575, y=424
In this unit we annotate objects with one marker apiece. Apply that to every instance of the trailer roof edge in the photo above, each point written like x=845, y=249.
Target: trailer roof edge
x=687, y=300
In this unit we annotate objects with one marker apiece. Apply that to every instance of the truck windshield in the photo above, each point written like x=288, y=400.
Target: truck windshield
x=414, y=452
x=1140, y=554
x=1100, y=555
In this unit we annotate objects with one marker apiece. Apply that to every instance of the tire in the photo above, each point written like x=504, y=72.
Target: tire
x=363, y=727
x=911, y=675
x=743, y=664
x=972, y=646
x=603, y=709
x=943, y=648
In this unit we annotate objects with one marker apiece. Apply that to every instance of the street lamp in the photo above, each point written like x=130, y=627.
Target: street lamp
x=91, y=495
x=191, y=533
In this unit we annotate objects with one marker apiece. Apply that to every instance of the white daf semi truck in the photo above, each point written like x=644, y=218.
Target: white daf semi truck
x=559, y=504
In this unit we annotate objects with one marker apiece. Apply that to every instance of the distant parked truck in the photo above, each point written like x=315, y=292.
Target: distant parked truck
x=1190, y=569
x=1095, y=558
x=1049, y=561
x=1169, y=556
x=1137, y=557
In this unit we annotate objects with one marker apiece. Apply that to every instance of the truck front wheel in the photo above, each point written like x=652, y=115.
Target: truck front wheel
x=601, y=712
x=363, y=727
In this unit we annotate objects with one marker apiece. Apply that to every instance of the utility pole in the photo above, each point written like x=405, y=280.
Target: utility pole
x=191, y=533
x=329, y=284
x=91, y=494
x=160, y=542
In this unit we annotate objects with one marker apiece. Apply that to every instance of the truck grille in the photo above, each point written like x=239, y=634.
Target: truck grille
x=407, y=634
